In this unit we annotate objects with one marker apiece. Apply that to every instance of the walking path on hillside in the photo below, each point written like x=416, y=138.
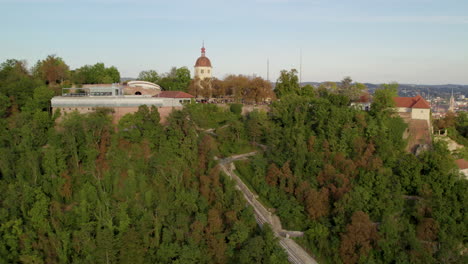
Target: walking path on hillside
x=296, y=254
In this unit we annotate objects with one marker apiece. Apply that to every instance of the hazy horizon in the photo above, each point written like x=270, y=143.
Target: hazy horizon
x=411, y=42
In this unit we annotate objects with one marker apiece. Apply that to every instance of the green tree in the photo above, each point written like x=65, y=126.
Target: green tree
x=52, y=70
x=287, y=83
x=4, y=105
x=349, y=89
x=236, y=108
x=178, y=79
x=16, y=83
x=95, y=74
x=149, y=76
x=383, y=98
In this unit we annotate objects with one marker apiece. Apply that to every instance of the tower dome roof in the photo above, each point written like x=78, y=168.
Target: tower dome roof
x=203, y=61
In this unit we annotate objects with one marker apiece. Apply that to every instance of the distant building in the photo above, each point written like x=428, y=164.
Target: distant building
x=182, y=97
x=142, y=88
x=131, y=88
x=452, y=103
x=203, y=66
x=416, y=107
x=86, y=100
x=416, y=112
x=363, y=103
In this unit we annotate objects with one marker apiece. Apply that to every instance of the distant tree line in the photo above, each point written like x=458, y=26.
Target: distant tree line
x=177, y=79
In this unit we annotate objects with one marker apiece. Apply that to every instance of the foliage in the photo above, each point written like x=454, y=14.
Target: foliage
x=208, y=116
x=351, y=90
x=236, y=108
x=241, y=88
x=16, y=83
x=87, y=191
x=52, y=70
x=383, y=98
x=149, y=76
x=178, y=79
x=342, y=175
x=287, y=83
x=95, y=74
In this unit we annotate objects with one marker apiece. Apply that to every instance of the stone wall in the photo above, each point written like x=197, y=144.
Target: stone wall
x=119, y=112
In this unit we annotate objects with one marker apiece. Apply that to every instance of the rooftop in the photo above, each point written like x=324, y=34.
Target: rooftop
x=174, y=94
x=203, y=61
x=411, y=102
x=462, y=164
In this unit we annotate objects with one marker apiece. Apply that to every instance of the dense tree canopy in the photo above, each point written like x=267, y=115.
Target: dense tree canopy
x=287, y=83
x=241, y=88
x=52, y=70
x=149, y=76
x=84, y=190
x=97, y=73
x=177, y=79
x=342, y=176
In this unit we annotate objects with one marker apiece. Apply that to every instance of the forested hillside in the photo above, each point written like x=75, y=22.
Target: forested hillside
x=87, y=191
x=342, y=176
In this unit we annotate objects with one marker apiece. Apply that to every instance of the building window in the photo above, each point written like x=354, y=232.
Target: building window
x=208, y=71
x=202, y=71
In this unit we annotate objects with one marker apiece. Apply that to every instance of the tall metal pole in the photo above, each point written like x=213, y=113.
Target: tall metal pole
x=268, y=70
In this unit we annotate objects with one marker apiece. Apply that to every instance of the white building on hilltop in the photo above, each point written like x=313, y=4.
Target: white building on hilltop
x=203, y=66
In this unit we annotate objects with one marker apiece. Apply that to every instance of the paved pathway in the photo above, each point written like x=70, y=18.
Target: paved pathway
x=296, y=254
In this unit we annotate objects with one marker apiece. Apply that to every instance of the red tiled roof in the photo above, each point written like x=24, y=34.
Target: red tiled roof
x=364, y=98
x=174, y=94
x=462, y=164
x=203, y=62
x=411, y=102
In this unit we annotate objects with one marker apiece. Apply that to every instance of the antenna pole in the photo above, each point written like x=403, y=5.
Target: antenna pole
x=268, y=70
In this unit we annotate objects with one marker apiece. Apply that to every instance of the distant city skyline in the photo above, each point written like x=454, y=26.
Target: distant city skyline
x=376, y=41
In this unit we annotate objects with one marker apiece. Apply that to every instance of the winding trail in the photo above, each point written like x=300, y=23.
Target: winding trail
x=263, y=215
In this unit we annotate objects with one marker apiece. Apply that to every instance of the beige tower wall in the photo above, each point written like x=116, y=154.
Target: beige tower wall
x=203, y=72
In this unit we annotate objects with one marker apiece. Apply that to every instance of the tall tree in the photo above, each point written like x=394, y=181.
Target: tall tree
x=287, y=83
x=383, y=98
x=95, y=74
x=178, y=79
x=359, y=238
x=149, y=76
x=52, y=70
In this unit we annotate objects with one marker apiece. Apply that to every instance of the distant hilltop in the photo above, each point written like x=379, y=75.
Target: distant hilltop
x=442, y=90
x=405, y=85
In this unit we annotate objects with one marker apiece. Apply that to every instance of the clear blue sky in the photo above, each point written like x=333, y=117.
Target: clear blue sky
x=408, y=41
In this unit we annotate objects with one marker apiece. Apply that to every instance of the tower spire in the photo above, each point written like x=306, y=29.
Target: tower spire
x=203, y=49
x=452, y=103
